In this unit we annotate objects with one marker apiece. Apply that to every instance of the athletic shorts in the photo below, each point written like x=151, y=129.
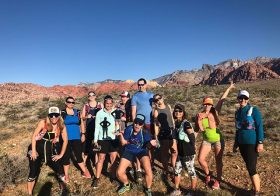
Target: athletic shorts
x=132, y=156
x=218, y=144
x=108, y=146
x=74, y=146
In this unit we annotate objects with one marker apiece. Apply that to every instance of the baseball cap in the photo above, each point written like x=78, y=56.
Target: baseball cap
x=125, y=94
x=243, y=93
x=139, y=119
x=108, y=97
x=179, y=106
x=54, y=110
x=208, y=100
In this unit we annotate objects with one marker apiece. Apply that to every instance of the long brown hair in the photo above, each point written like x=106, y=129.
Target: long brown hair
x=60, y=124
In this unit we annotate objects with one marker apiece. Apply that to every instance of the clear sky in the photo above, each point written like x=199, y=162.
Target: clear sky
x=67, y=42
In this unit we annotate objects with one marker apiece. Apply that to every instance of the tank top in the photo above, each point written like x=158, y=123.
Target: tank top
x=165, y=122
x=210, y=134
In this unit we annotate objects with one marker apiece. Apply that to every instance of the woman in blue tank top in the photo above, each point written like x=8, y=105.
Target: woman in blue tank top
x=76, y=135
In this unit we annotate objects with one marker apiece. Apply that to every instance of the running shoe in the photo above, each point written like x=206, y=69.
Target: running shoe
x=124, y=189
x=148, y=192
x=96, y=183
x=86, y=174
x=176, y=192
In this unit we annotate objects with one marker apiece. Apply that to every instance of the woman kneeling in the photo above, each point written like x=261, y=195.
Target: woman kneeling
x=136, y=142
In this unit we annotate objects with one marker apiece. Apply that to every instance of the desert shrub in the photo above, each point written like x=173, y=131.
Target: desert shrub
x=12, y=170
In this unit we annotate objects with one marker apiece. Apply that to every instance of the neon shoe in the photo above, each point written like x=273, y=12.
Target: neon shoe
x=124, y=189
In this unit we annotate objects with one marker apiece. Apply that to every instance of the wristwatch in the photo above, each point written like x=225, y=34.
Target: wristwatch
x=260, y=142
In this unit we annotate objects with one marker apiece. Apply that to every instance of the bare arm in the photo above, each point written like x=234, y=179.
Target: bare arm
x=39, y=127
x=156, y=127
x=224, y=96
x=133, y=112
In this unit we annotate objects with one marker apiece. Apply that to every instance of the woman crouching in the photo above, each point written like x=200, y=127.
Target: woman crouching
x=136, y=142
x=45, y=147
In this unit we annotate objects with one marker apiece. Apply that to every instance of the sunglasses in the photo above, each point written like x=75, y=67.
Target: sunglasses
x=54, y=115
x=73, y=102
x=139, y=123
x=157, y=99
x=141, y=84
x=91, y=95
x=178, y=111
x=243, y=97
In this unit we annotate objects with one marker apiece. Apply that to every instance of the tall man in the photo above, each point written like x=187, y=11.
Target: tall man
x=141, y=103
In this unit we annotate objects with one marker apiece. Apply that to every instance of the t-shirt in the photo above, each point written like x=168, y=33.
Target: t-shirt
x=185, y=148
x=143, y=103
x=136, y=143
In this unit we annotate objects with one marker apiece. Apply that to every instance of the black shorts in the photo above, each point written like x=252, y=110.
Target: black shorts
x=108, y=146
x=132, y=156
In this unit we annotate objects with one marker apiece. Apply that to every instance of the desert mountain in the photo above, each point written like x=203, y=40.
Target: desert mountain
x=260, y=68
x=22, y=92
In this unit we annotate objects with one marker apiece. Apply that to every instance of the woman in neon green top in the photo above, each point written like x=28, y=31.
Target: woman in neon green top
x=208, y=122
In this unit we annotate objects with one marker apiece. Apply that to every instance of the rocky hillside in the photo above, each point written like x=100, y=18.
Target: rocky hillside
x=260, y=68
x=22, y=92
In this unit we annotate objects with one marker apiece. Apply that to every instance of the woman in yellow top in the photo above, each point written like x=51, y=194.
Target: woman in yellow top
x=208, y=122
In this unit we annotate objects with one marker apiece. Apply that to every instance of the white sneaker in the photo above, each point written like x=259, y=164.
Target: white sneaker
x=176, y=192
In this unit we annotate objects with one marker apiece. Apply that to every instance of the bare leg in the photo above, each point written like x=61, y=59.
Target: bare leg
x=256, y=181
x=145, y=160
x=30, y=187
x=203, y=152
x=219, y=161
x=101, y=158
x=121, y=171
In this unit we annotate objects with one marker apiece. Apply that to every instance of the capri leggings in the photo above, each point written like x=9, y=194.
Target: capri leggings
x=188, y=163
x=74, y=146
x=249, y=155
x=45, y=151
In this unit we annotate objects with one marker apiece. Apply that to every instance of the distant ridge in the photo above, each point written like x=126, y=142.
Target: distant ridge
x=259, y=68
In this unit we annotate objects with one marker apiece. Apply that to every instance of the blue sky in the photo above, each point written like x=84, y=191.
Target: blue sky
x=68, y=42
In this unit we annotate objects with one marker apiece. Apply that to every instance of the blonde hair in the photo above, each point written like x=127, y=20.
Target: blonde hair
x=60, y=124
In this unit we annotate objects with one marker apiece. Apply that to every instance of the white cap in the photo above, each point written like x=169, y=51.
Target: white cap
x=244, y=93
x=54, y=110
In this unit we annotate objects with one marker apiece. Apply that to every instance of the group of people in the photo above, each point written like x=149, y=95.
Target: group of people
x=130, y=131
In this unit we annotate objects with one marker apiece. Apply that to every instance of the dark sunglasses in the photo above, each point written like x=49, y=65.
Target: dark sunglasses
x=139, y=123
x=54, y=115
x=141, y=84
x=178, y=111
x=157, y=99
x=91, y=95
x=207, y=104
x=73, y=102
x=243, y=97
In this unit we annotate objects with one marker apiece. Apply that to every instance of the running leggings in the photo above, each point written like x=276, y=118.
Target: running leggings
x=74, y=146
x=249, y=155
x=45, y=152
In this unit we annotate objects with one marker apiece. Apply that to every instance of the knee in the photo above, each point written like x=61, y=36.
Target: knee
x=101, y=159
x=201, y=160
x=120, y=172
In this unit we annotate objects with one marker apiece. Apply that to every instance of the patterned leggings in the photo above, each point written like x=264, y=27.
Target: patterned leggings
x=186, y=162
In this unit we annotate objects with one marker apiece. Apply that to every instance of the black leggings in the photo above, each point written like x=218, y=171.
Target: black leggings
x=74, y=146
x=45, y=152
x=249, y=155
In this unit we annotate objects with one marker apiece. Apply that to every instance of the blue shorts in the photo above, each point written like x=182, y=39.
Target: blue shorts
x=132, y=156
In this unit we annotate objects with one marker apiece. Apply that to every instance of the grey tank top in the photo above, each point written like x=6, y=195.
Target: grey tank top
x=165, y=118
